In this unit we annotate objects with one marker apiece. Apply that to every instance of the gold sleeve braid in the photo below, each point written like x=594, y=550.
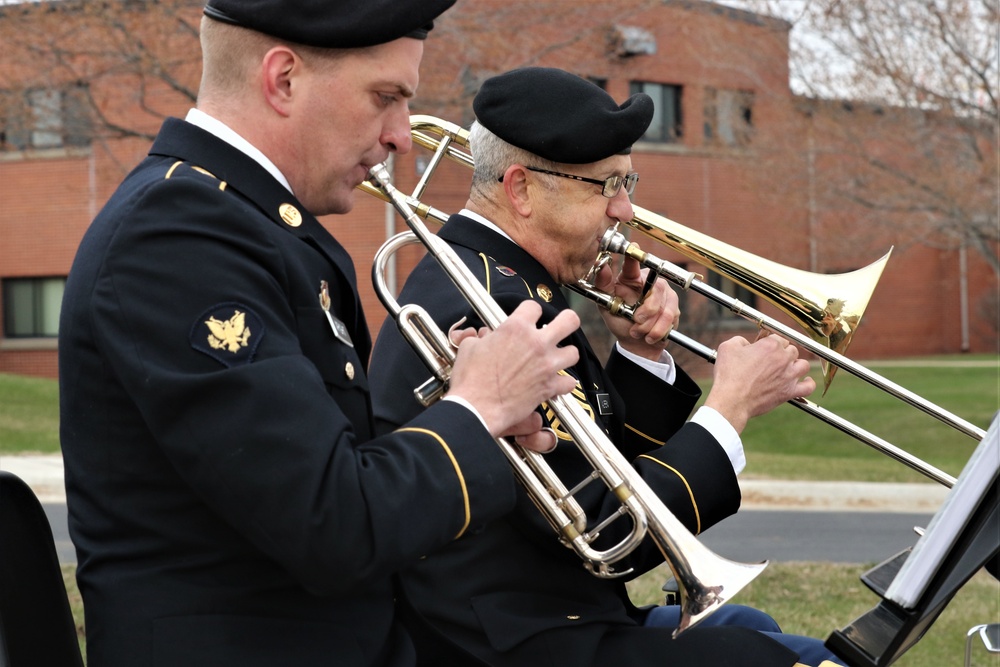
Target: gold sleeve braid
x=458, y=473
x=694, y=503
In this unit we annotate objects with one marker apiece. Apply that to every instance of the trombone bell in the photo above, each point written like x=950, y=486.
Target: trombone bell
x=827, y=307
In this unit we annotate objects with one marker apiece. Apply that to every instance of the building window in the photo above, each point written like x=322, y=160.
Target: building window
x=728, y=116
x=666, y=126
x=31, y=307
x=730, y=289
x=42, y=118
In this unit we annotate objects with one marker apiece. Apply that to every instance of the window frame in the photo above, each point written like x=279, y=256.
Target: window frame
x=728, y=116
x=667, y=126
x=43, y=309
x=46, y=118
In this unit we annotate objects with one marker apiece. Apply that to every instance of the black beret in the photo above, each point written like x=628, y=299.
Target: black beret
x=334, y=25
x=560, y=116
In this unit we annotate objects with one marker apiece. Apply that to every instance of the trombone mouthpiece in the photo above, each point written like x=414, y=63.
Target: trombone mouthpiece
x=379, y=175
x=614, y=241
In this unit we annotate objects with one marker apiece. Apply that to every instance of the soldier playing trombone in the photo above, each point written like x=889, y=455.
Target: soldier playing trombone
x=552, y=173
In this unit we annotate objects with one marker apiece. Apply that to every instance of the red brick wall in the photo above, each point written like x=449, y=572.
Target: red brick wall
x=755, y=198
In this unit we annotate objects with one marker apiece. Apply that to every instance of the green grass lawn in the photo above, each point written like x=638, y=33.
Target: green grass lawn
x=29, y=415
x=813, y=599
x=787, y=443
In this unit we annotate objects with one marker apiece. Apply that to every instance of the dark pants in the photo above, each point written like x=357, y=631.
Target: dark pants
x=811, y=651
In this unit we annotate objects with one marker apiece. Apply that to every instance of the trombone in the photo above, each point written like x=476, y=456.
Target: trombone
x=706, y=579
x=828, y=307
x=622, y=309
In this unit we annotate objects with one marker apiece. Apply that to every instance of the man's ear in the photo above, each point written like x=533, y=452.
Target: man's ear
x=515, y=186
x=278, y=67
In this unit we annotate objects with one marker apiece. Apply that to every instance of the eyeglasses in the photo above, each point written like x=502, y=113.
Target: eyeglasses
x=610, y=185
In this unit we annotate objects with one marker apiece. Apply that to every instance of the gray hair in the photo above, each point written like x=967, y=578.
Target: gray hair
x=493, y=155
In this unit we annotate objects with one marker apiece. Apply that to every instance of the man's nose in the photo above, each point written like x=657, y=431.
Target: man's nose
x=396, y=136
x=620, y=206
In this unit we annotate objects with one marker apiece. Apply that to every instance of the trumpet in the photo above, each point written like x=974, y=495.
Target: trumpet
x=706, y=579
x=827, y=307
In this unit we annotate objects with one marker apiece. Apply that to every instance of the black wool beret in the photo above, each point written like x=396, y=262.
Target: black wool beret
x=335, y=25
x=560, y=116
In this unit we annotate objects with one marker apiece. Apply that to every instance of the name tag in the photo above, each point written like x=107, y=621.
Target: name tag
x=339, y=328
x=603, y=404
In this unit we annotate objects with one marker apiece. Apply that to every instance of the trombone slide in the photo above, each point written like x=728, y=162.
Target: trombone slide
x=616, y=306
x=616, y=242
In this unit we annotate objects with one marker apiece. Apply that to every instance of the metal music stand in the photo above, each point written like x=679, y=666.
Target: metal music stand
x=989, y=633
x=918, y=583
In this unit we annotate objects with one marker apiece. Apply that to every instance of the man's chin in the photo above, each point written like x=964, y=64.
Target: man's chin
x=340, y=205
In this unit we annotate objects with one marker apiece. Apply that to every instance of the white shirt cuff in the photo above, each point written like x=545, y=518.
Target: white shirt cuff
x=724, y=433
x=663, y=369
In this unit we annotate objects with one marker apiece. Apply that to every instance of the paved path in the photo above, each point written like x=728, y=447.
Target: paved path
x=844, y=522
x=44, y=474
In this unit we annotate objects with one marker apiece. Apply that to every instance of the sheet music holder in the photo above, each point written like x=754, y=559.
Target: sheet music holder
x=918, y=583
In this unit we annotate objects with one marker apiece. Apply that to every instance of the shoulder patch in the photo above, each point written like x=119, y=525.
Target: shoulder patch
x=229, y=333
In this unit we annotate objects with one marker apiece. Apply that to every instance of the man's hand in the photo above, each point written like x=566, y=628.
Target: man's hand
x=753, y=378
x=505, y=374
x=654, y=318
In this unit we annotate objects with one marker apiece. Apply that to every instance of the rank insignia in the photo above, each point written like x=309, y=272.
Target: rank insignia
x=555, y=423
x=229, y=333
x=544, y=292
x=506, y=271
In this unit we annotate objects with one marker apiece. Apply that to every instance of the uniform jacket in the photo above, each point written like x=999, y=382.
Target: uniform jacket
x=508, y=593
x=226, y=498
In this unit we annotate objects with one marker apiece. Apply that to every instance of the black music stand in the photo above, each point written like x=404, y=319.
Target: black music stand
x=917, y=583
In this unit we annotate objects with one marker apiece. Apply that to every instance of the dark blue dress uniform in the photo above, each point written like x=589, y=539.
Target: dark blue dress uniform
x=509, y=593
x=226, y=498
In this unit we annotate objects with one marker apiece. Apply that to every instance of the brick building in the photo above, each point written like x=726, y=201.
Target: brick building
x=732, y=153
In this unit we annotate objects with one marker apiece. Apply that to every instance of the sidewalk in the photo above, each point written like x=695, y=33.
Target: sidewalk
x=44, y=474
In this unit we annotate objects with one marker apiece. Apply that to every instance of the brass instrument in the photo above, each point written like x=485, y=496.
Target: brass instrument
x=622, y=309
x=615, y=242
x=827, y=307
x=706, y=579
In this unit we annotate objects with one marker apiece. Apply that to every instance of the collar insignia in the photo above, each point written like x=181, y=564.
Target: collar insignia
x=544, y=292
x=290, y=215
x=229, y=333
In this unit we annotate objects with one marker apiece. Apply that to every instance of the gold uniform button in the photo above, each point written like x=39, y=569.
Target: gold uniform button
x=349, y=370
x=544, y=292
x=290, y=215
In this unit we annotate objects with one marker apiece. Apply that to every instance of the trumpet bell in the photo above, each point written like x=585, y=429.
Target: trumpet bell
x=828, y=307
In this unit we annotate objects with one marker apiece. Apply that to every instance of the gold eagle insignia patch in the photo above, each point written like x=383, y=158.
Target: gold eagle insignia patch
x=229, y=333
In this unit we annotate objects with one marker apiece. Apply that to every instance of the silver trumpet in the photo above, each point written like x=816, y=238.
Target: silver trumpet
x=706, y=580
